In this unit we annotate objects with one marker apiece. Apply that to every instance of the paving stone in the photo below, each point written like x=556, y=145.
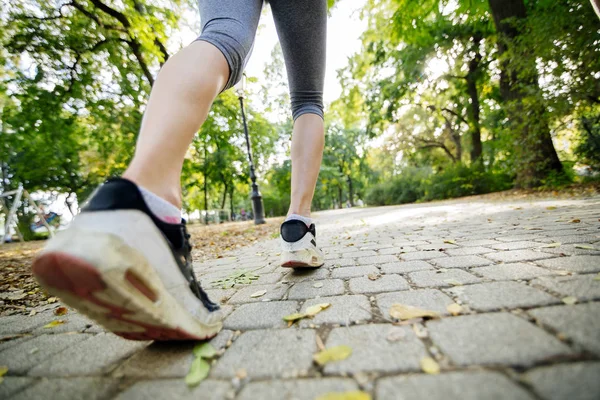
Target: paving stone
x=13, y=384
x=583, y=287
x=577, y=381
x=572, y=250
x=468, y=251
x=305, y=389
x=332, y=256
x=581, y=239
x=386, y=283
x=476, y=242
x=264, y=279
x=343, y=310
x=344, y=262
x=520, y=237
x=397, y=250
x=437, y=247
x=494, y=339
x=442, y=279
x=307, y=290
x=514, y=271
x=371, y=351
x=474, y=385
x=377, y=260
x=351, y=272
x=524, y=244
x=573, y=263
x=274, y=292
x=167, y=389
x=15, y=324
x=402, y=267
x=20, y=358
x=260, y=315
x=422, y=255
x=361, y=253
x=92, y=356
x=70, y=389
x=497, y=295
x=306, y=274
x=427, y=299
x=518, y=255
x=73, y=322
x=268, y=354
x=579, y=322
x=461, y=262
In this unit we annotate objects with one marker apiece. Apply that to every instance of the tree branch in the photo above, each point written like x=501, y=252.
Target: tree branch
x=431, y=144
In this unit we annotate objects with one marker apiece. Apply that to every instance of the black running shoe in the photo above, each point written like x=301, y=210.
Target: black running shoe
x=299, y=245
x=128, y=270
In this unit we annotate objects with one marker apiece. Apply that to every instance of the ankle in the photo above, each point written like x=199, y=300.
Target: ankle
x=170, y=193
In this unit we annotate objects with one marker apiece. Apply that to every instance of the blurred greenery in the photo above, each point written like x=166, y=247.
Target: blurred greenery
x=444, y=99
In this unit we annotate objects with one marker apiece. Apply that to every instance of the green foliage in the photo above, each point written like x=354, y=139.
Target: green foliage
x=418, y=184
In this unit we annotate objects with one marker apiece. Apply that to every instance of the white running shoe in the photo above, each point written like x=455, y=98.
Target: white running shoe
x=131, y=272
x=299, y=246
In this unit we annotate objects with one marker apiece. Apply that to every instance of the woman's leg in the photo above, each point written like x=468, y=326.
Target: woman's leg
x=302, y=30
x=185, y=89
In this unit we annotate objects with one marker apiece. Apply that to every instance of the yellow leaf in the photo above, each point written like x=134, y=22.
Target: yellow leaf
x=454, y=309
x=449, y=241
x=294, y=317
x=336, y=353
x=52, y=300
x=569, y=300
x=258, y=294
x=430, y=366
x=584, y=247
x=198, y=372
x=597, y=277
x=317, y=308
x=3, y=371
x=54, y=323
x=550, y=208
x=404, y=312
x=453, y=282
x=355, y=395
x=575, y=221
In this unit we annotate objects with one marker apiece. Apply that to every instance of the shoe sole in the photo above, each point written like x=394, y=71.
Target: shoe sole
x=306, y=258
x=116, y=286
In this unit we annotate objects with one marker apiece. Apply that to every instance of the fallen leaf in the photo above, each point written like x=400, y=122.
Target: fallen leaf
x=317, y=308
x=336, y=353
x=198, y=372
x=52, y=300
x=430, y=366
x=575, y=221
x=453, y=282
x=373, y=277
x=54, y=323
x=258, y=294
x=355, y=395
x=584, y=247
x=454, y=308
x=550, y=208
x=550, y=245
x=569, y=300
x=241, y=374
x=61, y=311
x=449, y=241
x=318, y=285
x=3, y=371
x=597, y=277
x=404, y=312
x=205, y=350
x=294, y=317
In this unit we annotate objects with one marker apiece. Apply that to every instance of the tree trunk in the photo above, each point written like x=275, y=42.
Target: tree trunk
x=536, y=156
x=350, y=191
x=474, y=108
x=340, y=196
x=231, y=200
x=224, y=197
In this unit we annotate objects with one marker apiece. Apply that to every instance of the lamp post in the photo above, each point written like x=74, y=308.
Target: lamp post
x=257, y=204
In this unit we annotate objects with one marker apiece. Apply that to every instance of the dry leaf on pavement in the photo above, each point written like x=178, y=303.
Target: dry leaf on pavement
x=430, y=366
x=258, y=294
x=404, y=312
x=454, y=309
x=569, y=300
x=54, y=323
x=317, y=308
x=355, y=395
x=61, y=311
x=336, y=353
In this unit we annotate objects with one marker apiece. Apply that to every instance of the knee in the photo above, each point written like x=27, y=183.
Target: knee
x=306, y=102
x=234, y=40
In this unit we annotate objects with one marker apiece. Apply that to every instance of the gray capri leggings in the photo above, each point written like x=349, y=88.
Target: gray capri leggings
x=230, y=25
